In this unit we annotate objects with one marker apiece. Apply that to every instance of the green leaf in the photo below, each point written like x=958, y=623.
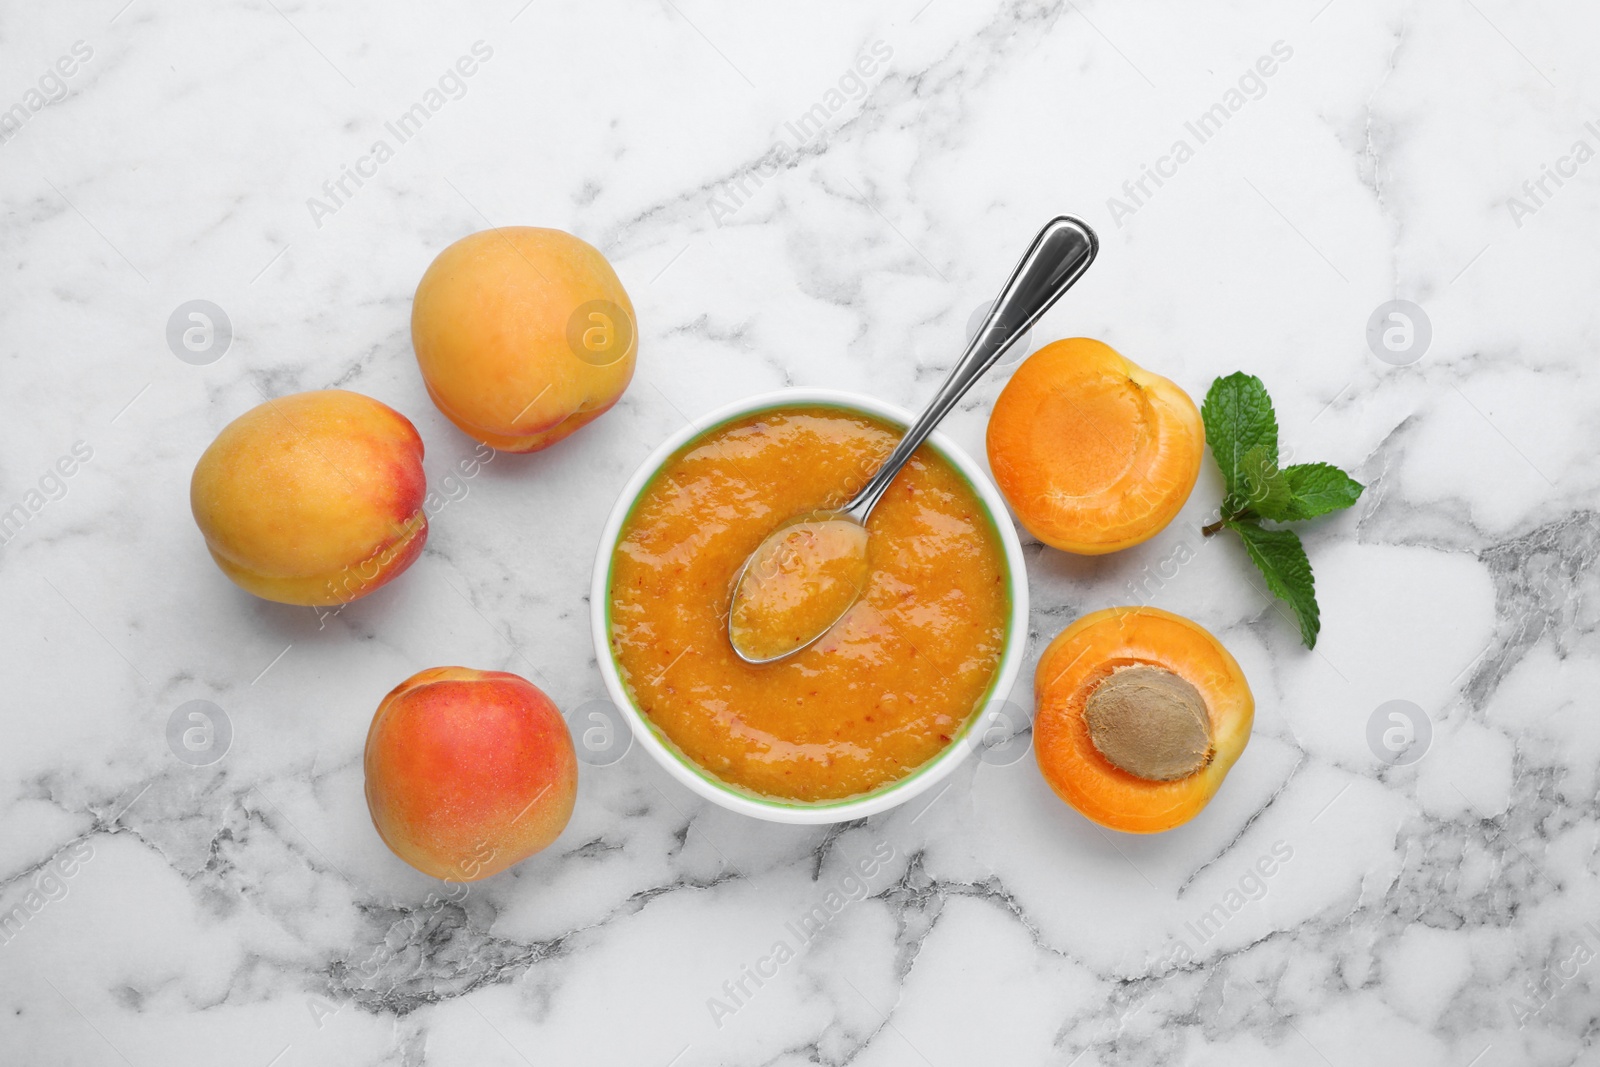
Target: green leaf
x=1238, y=416
x=1264, y=490
x=1318, y=488
x=1243, y=434
x=1282, y=559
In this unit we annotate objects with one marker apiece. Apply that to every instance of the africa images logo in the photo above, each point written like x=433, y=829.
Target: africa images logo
x=799, y=932
x=807, y=130
x=51, y=88
x=1250, y=85
x=451, y=85
x=1250, y=887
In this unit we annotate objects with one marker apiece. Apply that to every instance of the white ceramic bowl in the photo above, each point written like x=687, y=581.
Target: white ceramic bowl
x=664, y=752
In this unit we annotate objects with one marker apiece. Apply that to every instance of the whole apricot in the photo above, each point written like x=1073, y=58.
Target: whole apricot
x=468, y=772
x=314, y=498
x=523, y=335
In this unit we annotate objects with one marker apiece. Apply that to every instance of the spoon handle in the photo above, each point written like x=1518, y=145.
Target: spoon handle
x=1057, y=258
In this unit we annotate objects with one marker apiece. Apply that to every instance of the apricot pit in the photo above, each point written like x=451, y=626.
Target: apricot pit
x=1149, y=722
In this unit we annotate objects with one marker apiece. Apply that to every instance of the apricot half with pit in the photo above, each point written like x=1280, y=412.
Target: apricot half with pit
x=1139, y=715
x=1093, y=452
x=523, y=335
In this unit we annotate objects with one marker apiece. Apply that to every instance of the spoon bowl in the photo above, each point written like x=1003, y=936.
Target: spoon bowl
x=797, y=583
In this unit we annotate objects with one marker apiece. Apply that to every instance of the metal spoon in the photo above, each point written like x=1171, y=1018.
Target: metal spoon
x=811, y=569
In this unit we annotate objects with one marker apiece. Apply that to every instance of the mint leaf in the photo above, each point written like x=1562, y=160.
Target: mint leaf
x=1264, y=491
x=1318, y=488
x=1238, y=417
x=1242, y=431
x=1282, y=560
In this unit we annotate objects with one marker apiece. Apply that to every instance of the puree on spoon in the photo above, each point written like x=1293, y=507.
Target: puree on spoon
x=797, y=584
x=889, y=687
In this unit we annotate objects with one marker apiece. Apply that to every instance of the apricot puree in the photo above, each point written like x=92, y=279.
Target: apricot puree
x=887, y=688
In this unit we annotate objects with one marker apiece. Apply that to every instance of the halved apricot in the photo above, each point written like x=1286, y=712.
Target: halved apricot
x=1139, y=714
x=1093, y=452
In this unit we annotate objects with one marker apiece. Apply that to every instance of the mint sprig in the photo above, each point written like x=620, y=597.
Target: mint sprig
x=1242, y=430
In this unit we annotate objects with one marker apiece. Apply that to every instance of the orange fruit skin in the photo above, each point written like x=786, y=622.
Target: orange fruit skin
x=468, y=772
x=492, y=324
x=313, y=498
x=1081, y=657
x=1092, y=452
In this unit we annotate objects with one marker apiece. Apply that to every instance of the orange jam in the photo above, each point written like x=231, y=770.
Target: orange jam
x=883, y=691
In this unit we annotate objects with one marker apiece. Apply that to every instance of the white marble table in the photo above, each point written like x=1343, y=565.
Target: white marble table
x=781, y=217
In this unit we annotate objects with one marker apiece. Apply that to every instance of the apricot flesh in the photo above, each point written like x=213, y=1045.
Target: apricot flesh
x=468, y=772
x=523, y=335
x=1092, y=452
x=1087, y=764
x=315, y=498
